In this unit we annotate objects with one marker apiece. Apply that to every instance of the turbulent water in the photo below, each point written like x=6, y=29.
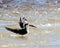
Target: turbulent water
x=45, y=18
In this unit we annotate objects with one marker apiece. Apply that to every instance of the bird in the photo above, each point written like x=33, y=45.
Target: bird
x=24, y=27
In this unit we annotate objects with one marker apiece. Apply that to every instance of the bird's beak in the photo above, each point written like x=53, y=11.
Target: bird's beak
x=32, y=26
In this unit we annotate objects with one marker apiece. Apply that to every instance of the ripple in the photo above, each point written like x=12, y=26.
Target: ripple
x=5, y=23
x=4, y=35
x=14, y=45
x=4, y=46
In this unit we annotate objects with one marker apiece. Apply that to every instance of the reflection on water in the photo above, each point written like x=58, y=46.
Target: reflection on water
x=46, y=35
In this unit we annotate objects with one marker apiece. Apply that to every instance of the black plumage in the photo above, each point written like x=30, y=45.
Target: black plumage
x=21, y=31
x=17, y=31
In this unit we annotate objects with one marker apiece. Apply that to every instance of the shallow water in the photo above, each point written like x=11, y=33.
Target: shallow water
x=46, y=35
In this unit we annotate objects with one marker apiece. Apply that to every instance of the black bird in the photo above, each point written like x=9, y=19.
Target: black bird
x=24, y=27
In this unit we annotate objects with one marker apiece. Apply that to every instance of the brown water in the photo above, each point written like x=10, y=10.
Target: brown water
x=47, y=35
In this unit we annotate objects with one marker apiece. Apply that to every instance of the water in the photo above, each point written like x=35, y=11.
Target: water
x=46, y=35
